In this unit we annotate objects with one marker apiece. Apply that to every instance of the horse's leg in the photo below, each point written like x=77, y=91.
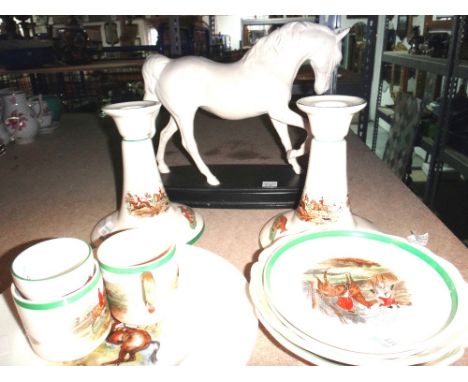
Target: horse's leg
x=289, y=117
x=301, y=150
x=185, y=124
x=282, y=130
x=164, y=137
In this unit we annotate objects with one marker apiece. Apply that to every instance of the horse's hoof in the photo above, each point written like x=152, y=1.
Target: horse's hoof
x=212, y=181
x=163, y=168
x=296, y=168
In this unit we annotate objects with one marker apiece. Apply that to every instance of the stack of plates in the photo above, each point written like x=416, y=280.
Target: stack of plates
x=361, y=298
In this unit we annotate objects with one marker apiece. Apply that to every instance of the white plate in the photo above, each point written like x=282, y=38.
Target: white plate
x=448, y=357
x=454, y=336
x=213, y=321
x=321, y=354
x=275, y=327
x=321, y=282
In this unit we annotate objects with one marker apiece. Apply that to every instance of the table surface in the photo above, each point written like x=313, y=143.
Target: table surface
x=65, y=182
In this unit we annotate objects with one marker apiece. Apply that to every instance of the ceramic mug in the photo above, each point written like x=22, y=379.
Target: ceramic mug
x=140, y=274
x=68, y=328
x=53, y=268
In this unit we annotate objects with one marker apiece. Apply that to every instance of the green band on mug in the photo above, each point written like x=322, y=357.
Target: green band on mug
x=63, y=302
x=139, y=268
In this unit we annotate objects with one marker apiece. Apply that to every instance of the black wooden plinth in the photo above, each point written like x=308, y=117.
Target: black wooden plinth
x=242, y=186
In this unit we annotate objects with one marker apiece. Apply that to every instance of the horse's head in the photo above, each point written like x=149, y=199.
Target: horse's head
x=289, y=46
x=324, y=64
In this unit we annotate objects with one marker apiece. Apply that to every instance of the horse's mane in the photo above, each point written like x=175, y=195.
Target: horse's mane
x=270, y=45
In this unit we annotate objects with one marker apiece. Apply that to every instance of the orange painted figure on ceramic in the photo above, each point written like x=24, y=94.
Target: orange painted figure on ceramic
x=329, y=290
x=131, y=341
x=96, y=312
x=280, y=224
x=389, y=291
x=188, y=214
x=346, y=293
x=356, y=293
x=147, y=205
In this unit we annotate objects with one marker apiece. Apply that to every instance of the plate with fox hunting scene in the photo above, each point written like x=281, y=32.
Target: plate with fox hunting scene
x=364, y=292
x=320, y=354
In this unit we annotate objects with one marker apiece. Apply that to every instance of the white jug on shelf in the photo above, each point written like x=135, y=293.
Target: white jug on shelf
x=41, y=111
x=19, y=119
x=4, y=134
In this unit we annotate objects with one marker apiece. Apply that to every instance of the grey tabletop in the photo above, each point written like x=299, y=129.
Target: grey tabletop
x=65, y=182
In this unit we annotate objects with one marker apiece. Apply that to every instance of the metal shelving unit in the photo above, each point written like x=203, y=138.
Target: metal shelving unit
x=369, y=53
x=461, y=70
x=80, y=87
x=424, y=63
x=438, y=153
x=451, y=69
x=271, y=21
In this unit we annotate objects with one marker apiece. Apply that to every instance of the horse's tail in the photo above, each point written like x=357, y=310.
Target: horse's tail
x=151, y=70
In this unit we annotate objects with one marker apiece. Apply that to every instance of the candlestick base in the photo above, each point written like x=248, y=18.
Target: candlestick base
x=186, y=223
x=286, y=223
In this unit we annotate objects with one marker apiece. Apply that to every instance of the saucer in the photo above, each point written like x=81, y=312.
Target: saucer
x=385, y=284
x=319, y=354
x=278, y=300
x=212, y=321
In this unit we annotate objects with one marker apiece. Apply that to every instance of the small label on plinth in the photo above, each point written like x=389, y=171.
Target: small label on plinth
x=269, y=184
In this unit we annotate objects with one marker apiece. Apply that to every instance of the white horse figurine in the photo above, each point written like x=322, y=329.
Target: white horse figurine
x=259, y=83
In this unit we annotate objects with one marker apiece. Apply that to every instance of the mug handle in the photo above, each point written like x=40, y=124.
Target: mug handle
x=148, y=288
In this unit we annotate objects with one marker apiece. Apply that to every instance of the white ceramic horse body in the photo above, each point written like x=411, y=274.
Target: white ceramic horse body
x=259, y=83
x=231, y=101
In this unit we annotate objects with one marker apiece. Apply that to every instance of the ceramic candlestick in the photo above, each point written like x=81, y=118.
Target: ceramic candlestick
x=144, y=198
x=324, y=200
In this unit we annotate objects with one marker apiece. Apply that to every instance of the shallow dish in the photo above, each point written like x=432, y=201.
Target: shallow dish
x=364, y=294
x=323, y=354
